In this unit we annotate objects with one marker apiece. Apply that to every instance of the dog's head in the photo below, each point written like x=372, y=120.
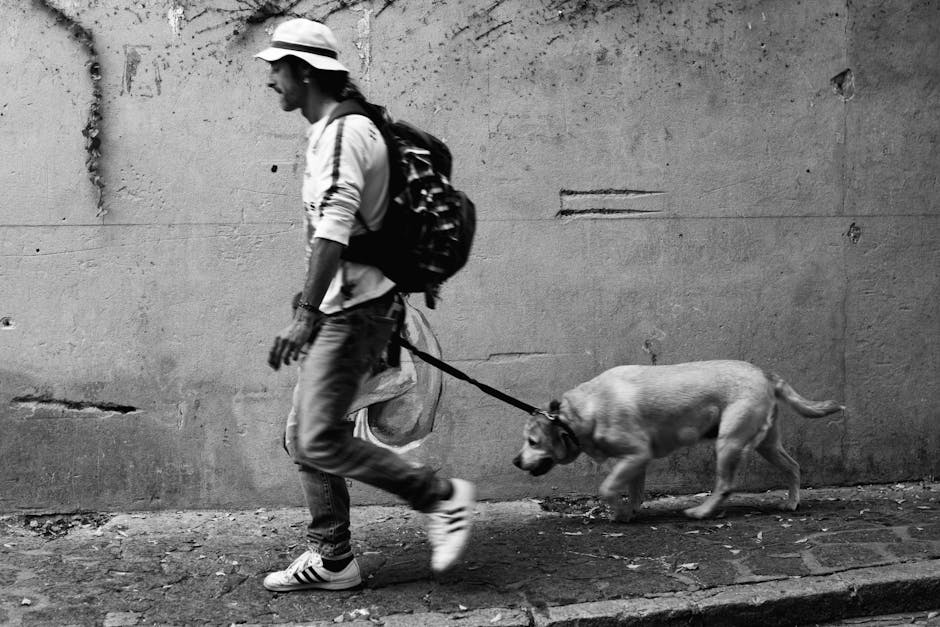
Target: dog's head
x=547, y=442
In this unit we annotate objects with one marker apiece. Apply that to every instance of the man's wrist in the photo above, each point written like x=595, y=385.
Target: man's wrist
x=306, y=317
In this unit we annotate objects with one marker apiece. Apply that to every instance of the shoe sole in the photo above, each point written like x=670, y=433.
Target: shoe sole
x=319, y=585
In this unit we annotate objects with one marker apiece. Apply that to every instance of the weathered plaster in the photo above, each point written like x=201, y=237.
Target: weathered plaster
x=657, y=181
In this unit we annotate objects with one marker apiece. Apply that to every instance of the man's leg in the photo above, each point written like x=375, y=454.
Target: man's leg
x=322, y=444
x=346, y=347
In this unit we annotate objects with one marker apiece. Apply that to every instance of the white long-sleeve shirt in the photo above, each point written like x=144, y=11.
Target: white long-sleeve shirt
x=346, y=171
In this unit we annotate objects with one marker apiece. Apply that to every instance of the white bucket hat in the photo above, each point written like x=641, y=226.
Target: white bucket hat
x=305, y=39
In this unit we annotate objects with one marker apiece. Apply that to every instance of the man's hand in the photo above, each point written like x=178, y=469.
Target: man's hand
x=290, y=341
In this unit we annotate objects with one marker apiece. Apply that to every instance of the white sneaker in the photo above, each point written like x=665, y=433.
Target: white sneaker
x=307, y=572
x=449, y=526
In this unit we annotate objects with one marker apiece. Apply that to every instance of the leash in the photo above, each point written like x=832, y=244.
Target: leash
x=506, y=398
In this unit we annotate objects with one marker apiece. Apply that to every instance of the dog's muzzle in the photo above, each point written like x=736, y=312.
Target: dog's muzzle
x=540, y=468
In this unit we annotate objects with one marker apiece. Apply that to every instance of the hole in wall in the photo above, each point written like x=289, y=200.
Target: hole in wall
x=46, y=402
x=843, y=84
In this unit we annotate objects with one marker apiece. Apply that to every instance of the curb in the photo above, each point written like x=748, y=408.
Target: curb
x=798, y=601
x=872, y=591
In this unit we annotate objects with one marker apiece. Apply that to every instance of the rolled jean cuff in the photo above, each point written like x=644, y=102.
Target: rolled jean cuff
x=328, y=551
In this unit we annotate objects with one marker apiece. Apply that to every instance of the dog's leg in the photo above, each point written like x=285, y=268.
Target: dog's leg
x=637, y=488
x=772, y=450
x=730, y=454
x=743, y=425
x=629, y=472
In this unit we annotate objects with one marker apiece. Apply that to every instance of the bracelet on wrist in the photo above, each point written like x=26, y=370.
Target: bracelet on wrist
x=303, y=304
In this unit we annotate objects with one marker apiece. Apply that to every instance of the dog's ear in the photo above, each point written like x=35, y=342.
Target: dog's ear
x=554, y=406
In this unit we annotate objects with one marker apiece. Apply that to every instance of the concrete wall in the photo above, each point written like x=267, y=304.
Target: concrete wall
x=657, y=181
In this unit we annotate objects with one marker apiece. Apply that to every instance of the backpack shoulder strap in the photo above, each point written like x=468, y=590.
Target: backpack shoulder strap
x=347, y=107
x=356, y=107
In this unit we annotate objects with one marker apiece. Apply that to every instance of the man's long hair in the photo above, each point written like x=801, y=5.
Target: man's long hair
x=336, y=85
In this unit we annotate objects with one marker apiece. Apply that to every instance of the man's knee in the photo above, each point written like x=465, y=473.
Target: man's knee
x=322, y=448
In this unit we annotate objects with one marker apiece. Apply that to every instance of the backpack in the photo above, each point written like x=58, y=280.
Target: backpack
x=428, y=229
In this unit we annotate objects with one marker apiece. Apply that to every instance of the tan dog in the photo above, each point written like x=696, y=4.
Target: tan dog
x=634, y=414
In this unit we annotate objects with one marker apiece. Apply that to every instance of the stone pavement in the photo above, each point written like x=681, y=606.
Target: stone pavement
x=846, y=552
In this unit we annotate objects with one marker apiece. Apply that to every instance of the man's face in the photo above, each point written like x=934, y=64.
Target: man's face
x=283, y=80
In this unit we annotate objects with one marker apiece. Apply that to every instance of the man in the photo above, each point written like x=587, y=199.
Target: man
x=342, y=324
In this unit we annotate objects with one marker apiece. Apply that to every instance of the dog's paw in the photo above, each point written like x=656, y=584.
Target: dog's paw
x=623, y=514
x=699, y=512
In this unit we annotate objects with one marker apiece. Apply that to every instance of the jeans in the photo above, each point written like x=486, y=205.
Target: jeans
x=320, y=439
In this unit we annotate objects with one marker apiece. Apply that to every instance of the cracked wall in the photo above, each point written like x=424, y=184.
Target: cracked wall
x=657, y=181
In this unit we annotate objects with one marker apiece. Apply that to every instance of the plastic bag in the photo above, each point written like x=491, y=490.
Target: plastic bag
x=392, y=413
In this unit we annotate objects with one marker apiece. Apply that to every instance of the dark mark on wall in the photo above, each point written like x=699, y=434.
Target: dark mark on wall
x=253, y=12
x=47, y=402
x=650, y=348
x=387, y=4
x=263, y=11
x=493, y=6
x=497, y=27
x=92, y=129
x=854, y=233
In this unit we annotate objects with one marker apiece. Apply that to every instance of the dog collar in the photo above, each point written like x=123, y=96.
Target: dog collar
x=556, y=419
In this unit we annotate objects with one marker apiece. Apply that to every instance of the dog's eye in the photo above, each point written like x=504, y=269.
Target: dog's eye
x=532, y=442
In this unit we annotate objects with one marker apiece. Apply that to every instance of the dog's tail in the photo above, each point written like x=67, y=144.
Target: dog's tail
x=806, y=407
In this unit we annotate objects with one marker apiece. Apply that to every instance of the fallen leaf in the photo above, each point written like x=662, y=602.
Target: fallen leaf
x=687, y=566
x=496, y=618
x=461, y=607
x=760, y=536
x=801, y=541
x=735, y=551
x=573, y=533
x=26, y=602
x=633, y=566
x=614, y=535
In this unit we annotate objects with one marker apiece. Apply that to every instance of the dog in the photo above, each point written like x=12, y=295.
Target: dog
x=634, y=414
